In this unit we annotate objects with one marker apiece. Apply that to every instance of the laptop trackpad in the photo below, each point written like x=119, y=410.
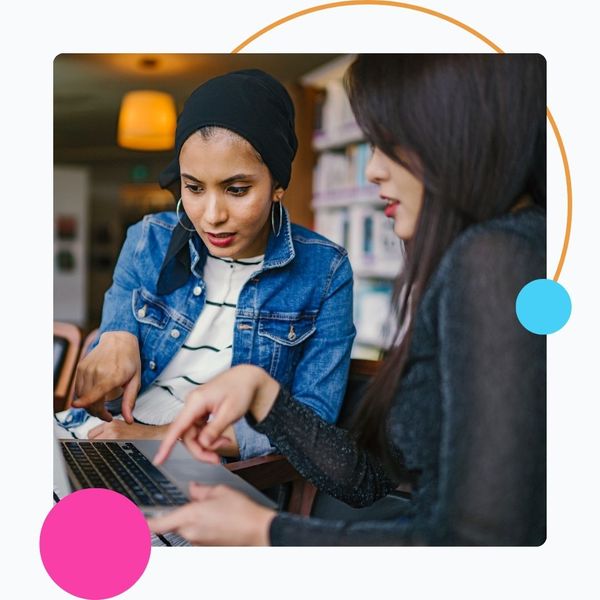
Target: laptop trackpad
x=182, y=468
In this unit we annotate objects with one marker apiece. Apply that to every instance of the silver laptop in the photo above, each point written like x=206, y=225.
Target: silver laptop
x=126, y=467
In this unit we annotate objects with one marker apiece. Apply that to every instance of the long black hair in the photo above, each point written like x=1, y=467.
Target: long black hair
x=475, y=127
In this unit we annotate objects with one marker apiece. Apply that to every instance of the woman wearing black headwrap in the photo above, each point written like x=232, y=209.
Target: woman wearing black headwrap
x=225, y=279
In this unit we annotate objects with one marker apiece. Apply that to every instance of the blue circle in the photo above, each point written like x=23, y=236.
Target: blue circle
x=543, y=306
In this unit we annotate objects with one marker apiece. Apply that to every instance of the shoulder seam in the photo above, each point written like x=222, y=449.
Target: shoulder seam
x=332, y=273
x=154, y=219
x=320, y=242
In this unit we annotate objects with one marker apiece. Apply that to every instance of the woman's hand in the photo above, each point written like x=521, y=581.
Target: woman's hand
x=120, y=430
x=112, y=367
x=227, y=397
x=217, y=516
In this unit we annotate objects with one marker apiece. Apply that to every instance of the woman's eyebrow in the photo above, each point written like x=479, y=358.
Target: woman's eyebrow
x=238, y=177
x=190, y=177
x=233, y=178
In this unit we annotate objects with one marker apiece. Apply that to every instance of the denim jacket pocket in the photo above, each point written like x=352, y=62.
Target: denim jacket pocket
x=149, y=310
x=287, y=329
x=281, y=342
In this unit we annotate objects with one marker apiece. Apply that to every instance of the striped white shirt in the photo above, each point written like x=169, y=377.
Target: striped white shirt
x=207, y=351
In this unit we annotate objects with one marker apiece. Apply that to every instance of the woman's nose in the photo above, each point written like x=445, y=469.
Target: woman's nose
x=376, y=171
x=215, y=212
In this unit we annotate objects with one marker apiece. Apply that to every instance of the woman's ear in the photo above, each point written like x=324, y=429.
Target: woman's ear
x=278, y=193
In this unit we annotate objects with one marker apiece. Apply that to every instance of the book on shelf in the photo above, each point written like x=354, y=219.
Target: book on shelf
x=368, y=235
x=335, y=125
x=349, y=211
x=336, y=112
x=343, y=171
x=372, y=313
x=373, y=248
x=334, y=225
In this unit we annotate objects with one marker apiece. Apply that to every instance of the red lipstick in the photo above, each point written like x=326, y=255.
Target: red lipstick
x=221, y=240
x=390, y=209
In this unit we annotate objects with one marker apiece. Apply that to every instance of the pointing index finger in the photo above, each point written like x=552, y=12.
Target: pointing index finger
x=182, y=423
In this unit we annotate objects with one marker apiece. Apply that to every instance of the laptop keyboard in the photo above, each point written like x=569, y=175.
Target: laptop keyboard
x=121, y=467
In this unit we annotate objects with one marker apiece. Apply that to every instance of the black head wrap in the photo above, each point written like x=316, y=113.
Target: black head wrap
x=250, y=103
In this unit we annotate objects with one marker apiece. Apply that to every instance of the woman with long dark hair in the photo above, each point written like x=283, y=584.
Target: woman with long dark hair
x=459, y=402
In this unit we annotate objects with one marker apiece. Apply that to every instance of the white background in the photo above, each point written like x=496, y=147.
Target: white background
x=563, y=33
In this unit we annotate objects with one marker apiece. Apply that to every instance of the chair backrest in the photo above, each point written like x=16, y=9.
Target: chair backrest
x=67, y=342
x=361, y=372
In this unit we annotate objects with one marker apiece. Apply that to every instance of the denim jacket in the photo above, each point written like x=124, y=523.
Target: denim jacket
x=293, y=318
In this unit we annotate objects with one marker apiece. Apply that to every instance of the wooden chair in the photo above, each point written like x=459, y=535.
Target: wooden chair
x=67, y=342
x=268, y=471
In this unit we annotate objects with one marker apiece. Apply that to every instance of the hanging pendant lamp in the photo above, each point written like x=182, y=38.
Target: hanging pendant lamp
x=147, y=121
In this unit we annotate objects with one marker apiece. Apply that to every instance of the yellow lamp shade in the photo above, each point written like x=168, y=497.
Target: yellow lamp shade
x=147, y=121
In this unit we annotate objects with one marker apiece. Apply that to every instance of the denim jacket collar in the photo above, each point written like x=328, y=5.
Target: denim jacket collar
x=179, y=261
x=280, y=249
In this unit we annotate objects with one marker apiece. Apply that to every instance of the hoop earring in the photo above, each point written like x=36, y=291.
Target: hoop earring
x=276, y=233
x=179, y=218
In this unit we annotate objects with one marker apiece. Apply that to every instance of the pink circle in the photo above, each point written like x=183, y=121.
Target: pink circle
x=95, y=543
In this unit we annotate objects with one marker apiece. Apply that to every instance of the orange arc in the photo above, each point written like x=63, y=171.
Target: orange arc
x=467, y=28
x=563, y=154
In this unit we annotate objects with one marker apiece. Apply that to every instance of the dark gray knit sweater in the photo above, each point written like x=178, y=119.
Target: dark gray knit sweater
x=469, y=414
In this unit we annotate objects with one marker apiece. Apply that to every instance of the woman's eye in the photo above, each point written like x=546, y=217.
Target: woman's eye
x=195, y=189
x=238, y=190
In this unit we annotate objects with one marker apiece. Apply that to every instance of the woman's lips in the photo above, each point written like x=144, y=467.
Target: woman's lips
x=221, y=240
x=390, y=209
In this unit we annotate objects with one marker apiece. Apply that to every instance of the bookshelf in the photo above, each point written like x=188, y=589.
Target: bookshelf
x=347, y=208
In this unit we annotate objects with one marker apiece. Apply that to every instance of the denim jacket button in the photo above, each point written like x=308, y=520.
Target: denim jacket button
x=175, y=333
x=152, y=365
x=141, y=313
x=197, y=290
x=292, y=333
